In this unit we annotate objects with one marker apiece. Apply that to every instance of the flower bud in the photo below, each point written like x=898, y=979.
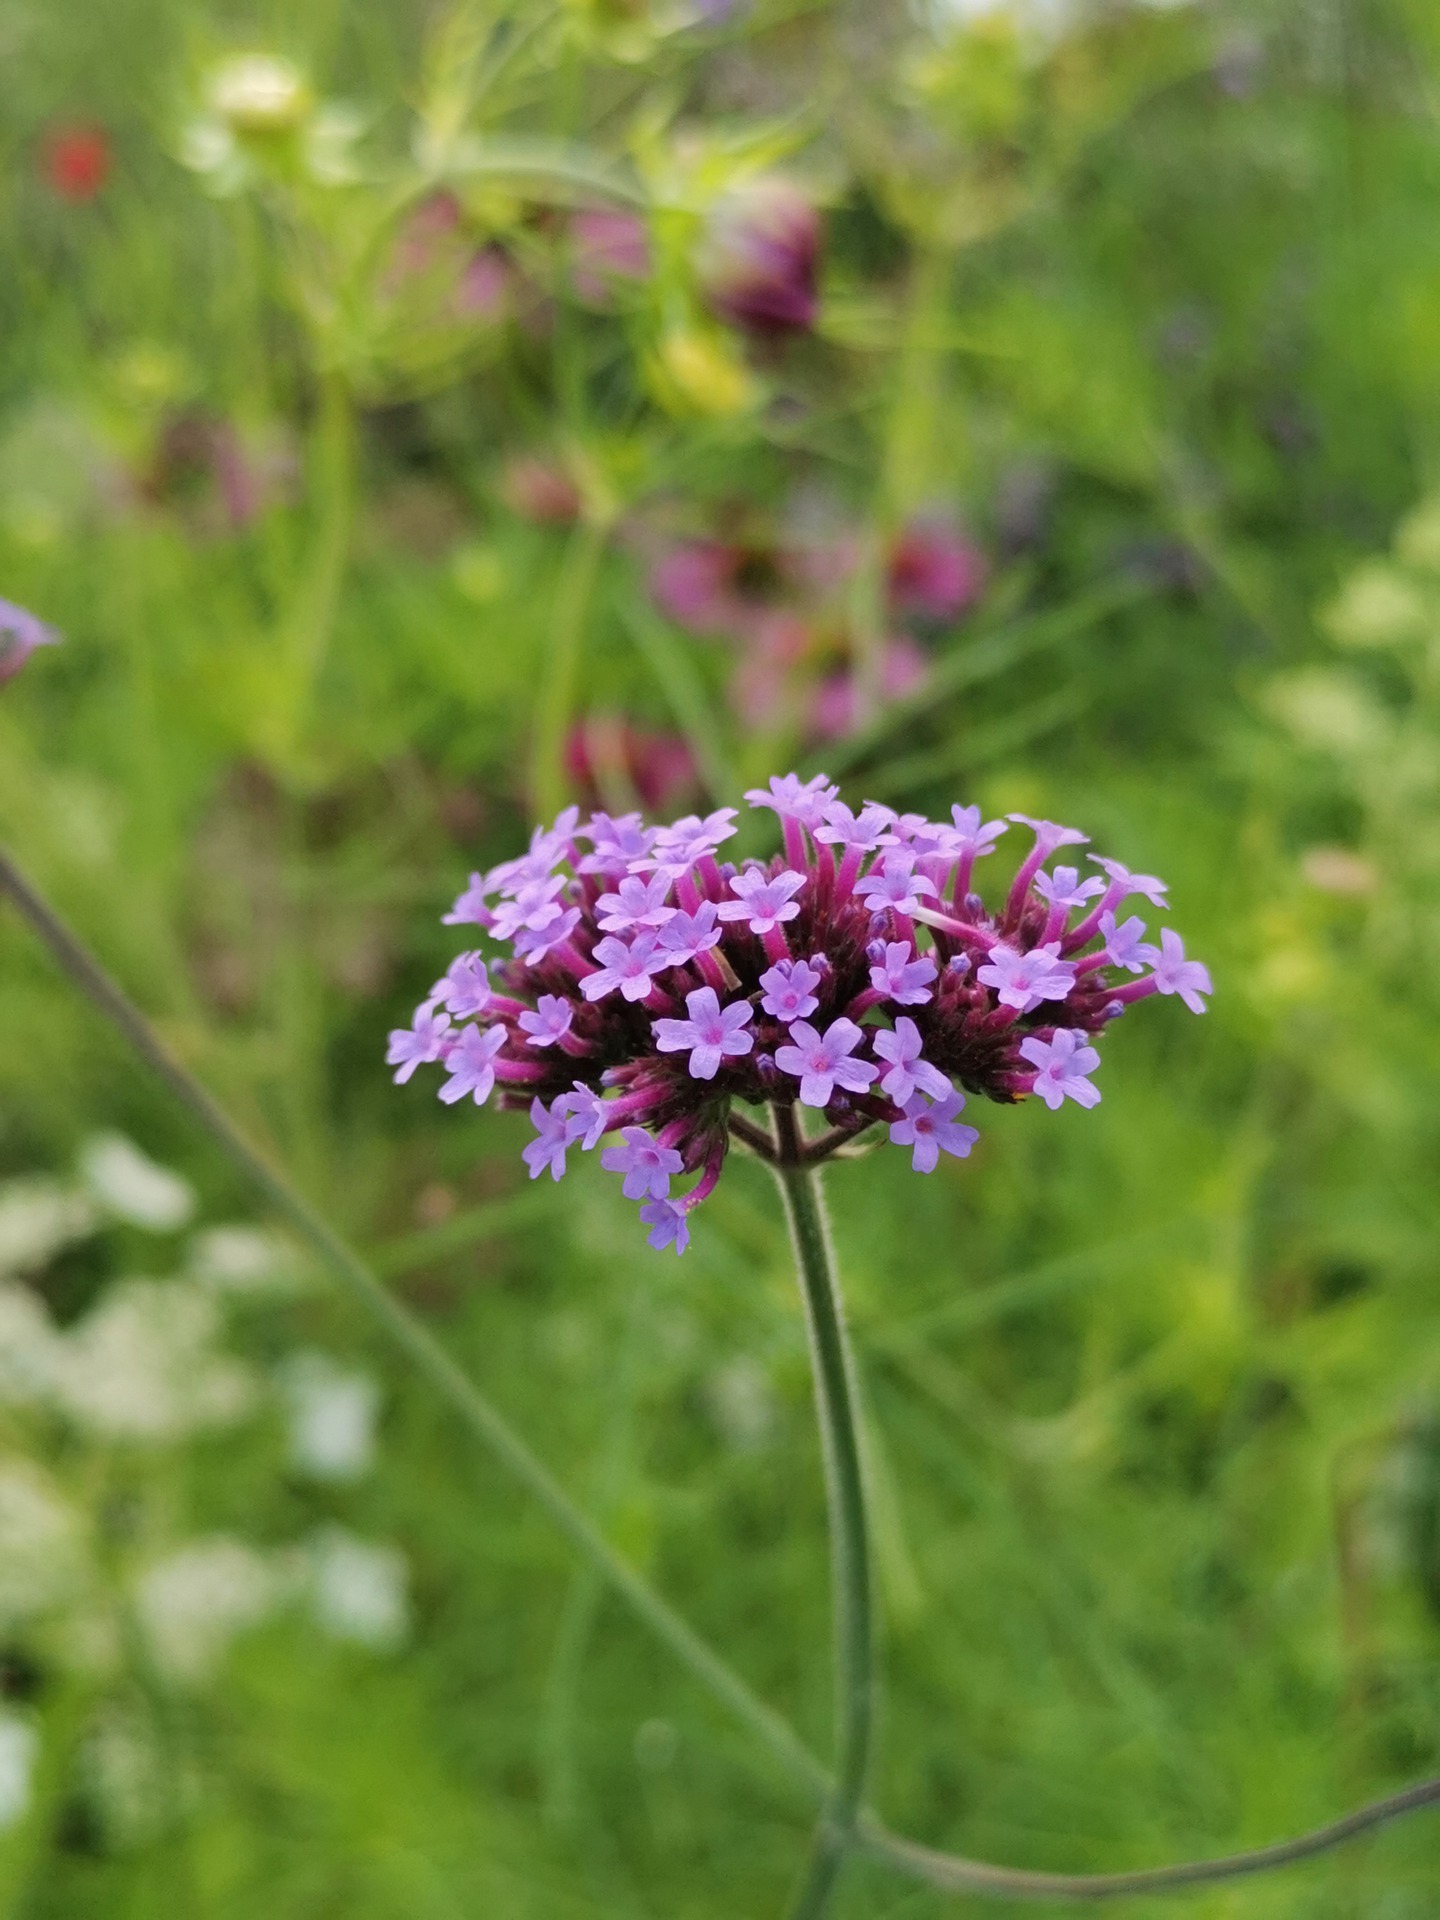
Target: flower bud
x=258, y=93
x=758, y=259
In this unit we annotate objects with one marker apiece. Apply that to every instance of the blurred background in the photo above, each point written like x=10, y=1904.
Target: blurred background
x=415, y=415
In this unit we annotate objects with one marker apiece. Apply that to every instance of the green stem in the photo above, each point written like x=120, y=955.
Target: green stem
x=333, y=477
x=837, y=1406
x=555, y=705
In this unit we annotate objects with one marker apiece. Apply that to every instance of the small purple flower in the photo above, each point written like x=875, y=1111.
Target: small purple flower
x=1023, y=980
x=975, y=838
x=795, y=799
x=465, y=989
x=646, y=1165
x=638, y=903
x=763, y=903
x=1050, y=835
x=548, y=1025
x=862, y=832
x=821, y=1061
x=667, y=1223
x=470, y=1065
x=1065, y=889
x=419, y=1045
x=929, y=1128
x=533, y=943
x=901, y=976
x=685, y=936
x=588, y=1113
x=21, y=633
x=908, y=1074
x=1123, y=946
x=680, y=846
x=1061, y=1066
x=1123, y=883
x=615, y=843
x=554, y=1134
x=895, y=885
x=535, y=906
x=1174, y=973
x=470, y=909
x=630, y=968
x=710, y=1034
x=788, y=988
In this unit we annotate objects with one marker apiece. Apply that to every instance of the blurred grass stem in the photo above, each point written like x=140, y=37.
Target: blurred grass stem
x=837, y=1406
x=555, y=698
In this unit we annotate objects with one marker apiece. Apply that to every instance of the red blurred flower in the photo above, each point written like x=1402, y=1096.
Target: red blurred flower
x=76, y=161
x=836, y=708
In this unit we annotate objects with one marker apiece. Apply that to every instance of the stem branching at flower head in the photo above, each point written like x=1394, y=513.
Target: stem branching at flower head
x=846, y=1825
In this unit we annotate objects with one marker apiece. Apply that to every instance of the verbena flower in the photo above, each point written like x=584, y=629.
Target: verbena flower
x=758, y=259
x=645, y=992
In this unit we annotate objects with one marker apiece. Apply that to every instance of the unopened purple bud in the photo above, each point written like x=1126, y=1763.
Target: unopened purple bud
x=875, y=952
x=959, y=965
x=974, y=906
x=759, y=257
x=1113, y=1009
x=20, y=635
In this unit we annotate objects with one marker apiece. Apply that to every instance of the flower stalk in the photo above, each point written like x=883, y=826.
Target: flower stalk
x=837, y=1408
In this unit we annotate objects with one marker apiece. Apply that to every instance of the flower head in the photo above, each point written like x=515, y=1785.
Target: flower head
x=759, y=256
x=640, y=993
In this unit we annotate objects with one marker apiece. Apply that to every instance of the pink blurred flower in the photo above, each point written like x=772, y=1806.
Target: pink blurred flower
x=486, y=286
x=607, y=245
x=539, y=490
x=763, y=688
x=835, y=709
x=758, y=260
x=715, y=586
x=934, y=573
x=602, y=752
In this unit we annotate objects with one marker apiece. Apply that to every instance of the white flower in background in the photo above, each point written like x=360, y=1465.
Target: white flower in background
x=132, y=1187
x=258, y=93
x=358, y=1589
x=42, y=1543
x=143, y=1365
x=19, y=1747
x=38, y=1218
x=332, y=1416
x=196, y=1601
x=28, y=1345
x=241, y=1260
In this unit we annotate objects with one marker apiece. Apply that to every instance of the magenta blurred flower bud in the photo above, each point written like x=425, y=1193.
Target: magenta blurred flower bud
x=20, y=635
x=836, y=708
x=758, y=259
x=607, y=245
x=934, y=574
x=540, y=491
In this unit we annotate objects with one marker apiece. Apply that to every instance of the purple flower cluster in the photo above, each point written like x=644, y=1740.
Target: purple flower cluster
x=650, y=986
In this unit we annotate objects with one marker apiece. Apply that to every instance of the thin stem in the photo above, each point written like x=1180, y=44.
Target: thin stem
x=837, y=1405
x=945, y=1871
x=555, y=703
x=465, y=1399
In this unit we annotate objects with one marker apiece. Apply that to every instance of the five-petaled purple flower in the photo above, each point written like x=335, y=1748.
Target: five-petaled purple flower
x=822, y=1061
x=470, y=1064
x=643, y=993
x=711, y=1033
x=1062, y=1064
x=927, y=1126
x=646, y=1165
x=789, y=990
